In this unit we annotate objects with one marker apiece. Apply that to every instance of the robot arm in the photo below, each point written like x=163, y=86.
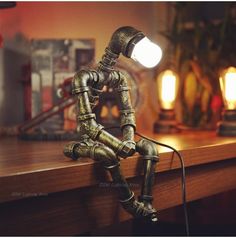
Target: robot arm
x=82, y=83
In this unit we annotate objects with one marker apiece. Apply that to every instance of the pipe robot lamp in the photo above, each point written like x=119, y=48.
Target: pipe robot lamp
x=95, y=142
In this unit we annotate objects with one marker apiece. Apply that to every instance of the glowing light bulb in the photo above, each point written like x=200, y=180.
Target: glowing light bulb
x=147, y=53
x=167, y=85
x=167, y=91
x=228, y=88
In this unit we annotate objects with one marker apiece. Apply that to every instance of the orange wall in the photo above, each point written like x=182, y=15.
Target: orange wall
x=96, y=20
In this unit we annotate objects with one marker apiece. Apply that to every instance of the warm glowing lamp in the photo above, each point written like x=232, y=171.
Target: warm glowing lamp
x=146, y=53
x=95, y=140
x=167, y=88
x=227, y=127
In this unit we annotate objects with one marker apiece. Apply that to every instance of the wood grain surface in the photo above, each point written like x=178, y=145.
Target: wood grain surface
x=44, y=193
x=29, y=168
x=83, y=210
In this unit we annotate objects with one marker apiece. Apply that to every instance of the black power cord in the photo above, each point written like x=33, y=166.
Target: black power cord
x=183, y=177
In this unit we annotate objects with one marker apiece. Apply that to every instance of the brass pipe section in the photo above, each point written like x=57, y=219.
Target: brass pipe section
x=110, y=161
x=150, y=157
x=100, y=145
x=123, y=39
x=88, y=125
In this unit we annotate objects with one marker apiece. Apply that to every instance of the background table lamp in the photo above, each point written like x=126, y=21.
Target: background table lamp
x=167, y=88
x=227, y=127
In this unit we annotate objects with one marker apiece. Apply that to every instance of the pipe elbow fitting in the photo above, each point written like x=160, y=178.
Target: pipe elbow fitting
x=138, y=209
x=80, y=81
x=122, y=39
x=70, y=150
x=147, y=148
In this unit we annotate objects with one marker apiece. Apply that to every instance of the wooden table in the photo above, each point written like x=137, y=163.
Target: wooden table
x=44, y=193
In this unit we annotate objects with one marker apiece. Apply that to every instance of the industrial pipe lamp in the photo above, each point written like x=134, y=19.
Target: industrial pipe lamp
x=227, y=127
x=167, y=87
x=95, y=142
